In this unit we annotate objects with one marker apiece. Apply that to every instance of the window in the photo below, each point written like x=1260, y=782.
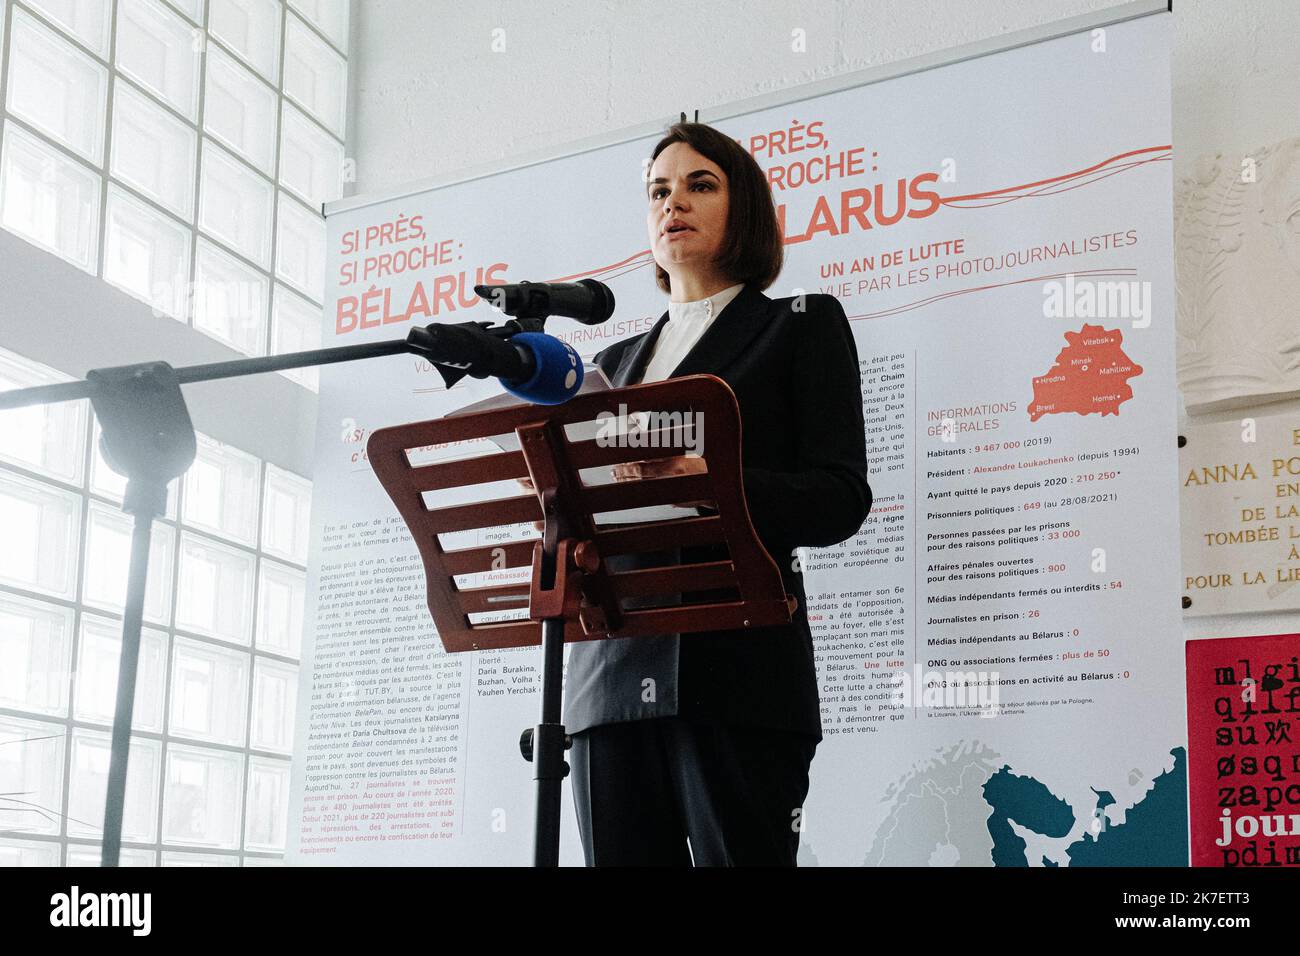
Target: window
x=181, y=150
x=216, y=687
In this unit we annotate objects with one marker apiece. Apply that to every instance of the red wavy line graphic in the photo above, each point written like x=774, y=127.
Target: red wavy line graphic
x=1038, y=193
x=1056, y=179
x=646, y=258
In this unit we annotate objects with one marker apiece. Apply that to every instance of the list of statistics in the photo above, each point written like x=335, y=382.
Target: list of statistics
x=962, y=592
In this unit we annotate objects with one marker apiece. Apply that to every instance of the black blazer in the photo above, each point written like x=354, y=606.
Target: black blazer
x=795, y=376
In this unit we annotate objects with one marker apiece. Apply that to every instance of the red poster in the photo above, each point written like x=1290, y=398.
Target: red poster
x=1243, y=761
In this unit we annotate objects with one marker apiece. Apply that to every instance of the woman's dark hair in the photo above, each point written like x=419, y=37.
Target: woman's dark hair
x=753, y=251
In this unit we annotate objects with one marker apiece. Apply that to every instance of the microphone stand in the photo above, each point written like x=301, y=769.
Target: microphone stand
x=148, y=437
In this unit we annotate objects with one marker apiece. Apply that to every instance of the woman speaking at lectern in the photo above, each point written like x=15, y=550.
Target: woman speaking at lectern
x=708, y=737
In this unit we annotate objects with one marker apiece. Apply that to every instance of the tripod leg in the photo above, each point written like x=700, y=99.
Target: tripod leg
x=126, y=674
x=548, y=748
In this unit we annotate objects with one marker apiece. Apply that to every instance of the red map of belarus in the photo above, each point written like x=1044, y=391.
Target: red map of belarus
x=1090, y=375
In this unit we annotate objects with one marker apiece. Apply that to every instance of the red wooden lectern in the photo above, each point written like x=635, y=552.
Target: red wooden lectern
x=572, y=596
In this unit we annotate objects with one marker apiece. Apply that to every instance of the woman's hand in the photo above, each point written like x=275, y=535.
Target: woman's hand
x=664, y=468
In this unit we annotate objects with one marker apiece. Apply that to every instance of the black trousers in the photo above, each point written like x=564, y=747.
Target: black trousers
x=643, y=787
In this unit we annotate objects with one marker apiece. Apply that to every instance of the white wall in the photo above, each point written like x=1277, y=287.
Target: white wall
x=431, y=96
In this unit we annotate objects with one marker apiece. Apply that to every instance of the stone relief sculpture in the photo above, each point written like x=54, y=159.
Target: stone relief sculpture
x=1237, y=269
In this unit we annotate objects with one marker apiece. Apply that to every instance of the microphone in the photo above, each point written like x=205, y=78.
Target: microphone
x=556, y=367
x=534, y=366
x=588, y=301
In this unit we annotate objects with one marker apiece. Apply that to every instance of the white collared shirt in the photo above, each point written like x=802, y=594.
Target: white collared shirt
x=687, y=321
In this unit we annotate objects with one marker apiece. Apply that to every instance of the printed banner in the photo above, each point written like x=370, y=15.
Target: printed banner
x=999, y=647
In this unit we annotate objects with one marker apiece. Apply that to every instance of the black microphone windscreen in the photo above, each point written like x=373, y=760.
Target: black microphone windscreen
x=602, y=307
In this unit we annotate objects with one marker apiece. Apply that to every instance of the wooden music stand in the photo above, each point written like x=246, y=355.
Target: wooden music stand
x=572, y=596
